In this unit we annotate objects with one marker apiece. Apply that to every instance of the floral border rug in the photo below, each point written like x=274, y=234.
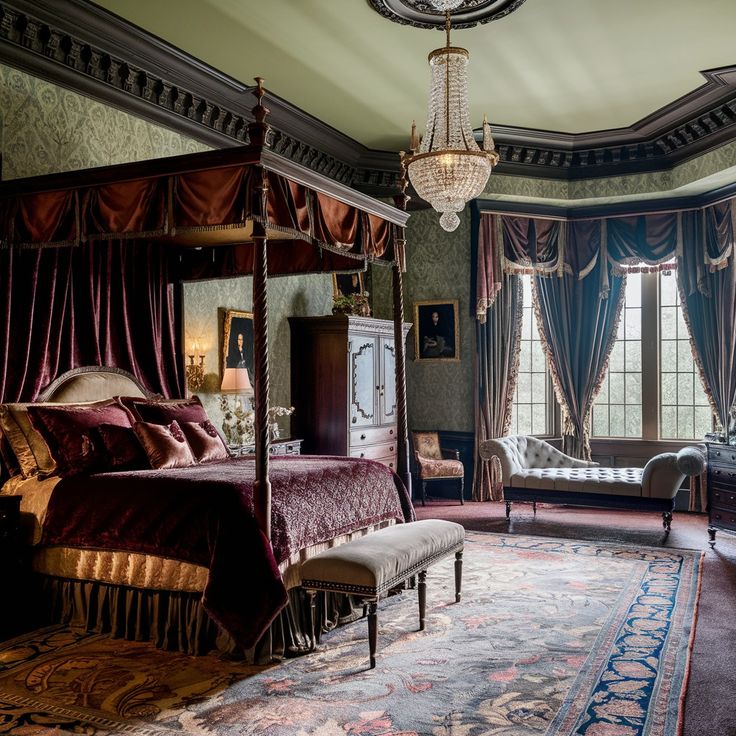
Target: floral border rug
x=551, y=637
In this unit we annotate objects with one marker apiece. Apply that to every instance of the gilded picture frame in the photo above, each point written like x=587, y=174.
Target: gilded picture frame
x=236, y=352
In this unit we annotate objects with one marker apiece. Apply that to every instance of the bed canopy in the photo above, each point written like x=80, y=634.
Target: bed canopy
x=230, y=212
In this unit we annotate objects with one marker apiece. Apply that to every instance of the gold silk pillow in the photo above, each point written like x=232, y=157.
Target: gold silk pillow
x=29, y=447
x=427, y=444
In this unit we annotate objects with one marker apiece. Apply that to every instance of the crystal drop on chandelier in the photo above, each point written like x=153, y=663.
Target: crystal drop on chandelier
x=448, y=168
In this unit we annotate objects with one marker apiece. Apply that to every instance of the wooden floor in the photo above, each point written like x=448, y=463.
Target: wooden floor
x=710, y=707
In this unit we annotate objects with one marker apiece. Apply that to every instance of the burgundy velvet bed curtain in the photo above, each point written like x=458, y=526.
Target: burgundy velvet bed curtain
x=103, y=303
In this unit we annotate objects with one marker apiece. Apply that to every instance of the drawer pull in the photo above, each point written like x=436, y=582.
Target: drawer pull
x=362, y=454
x=718, y=452
x=390, y=465
x=390, y=431
x=362, y=436
x=391, y=449
x=716, y=472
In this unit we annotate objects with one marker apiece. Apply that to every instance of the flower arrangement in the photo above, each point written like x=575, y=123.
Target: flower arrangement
x=238, y=424
x=352, y=304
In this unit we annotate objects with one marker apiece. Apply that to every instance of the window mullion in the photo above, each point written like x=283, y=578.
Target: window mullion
x=650, y=355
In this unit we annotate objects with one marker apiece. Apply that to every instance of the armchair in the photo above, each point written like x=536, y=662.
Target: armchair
x=433, y=462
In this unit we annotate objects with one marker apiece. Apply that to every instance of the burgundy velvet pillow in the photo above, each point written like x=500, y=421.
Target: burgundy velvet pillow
x=167, y=411
x=72, y=436
x=164, y=444
x=206, y=444
x=123, y=450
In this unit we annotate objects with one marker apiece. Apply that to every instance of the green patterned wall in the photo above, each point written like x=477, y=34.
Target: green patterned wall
x=439, y=394
x=46, y=129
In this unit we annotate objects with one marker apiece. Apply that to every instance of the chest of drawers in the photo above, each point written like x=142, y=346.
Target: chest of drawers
x=721, y=489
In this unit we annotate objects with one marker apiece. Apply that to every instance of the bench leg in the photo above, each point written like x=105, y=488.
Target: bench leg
x=372, y=630
x=534, y=507
x=508, y=509
x=462, y=491
x=313, y=615
x=422, y=592
x=458, y=575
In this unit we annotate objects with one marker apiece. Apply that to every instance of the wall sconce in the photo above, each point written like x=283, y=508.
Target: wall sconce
x=195, y=370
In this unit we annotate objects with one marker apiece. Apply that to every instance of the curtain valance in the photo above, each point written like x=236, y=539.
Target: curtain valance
x=514, y=244
x=210, y=207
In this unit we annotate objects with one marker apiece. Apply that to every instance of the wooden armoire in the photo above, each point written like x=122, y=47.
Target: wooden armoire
x=343, y=387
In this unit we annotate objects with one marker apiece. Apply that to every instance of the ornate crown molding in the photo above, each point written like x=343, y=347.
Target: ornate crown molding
x=421, y=13
x=80, y=46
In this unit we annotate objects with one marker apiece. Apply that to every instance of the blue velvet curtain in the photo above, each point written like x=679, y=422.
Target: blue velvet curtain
x=579, y=331
x=707, y=281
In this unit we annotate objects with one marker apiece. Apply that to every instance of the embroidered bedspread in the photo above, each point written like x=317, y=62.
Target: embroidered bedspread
x=204, y=515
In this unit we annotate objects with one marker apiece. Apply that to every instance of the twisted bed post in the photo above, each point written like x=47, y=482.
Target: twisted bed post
x=402, y=422
x=258, y=133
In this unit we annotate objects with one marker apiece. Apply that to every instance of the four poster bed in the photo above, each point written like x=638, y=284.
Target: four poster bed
x=184, y=555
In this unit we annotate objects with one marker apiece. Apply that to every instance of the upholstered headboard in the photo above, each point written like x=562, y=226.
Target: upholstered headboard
x=92, y=383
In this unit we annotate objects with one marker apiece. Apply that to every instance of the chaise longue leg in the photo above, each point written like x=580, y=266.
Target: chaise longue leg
x=666, y=521
x=508, y=509
x=462, y=491
x=458, y=575
x=422, y=593
x=534, y=507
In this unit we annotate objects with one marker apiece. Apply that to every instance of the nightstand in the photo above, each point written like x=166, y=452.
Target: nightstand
x=278, y=447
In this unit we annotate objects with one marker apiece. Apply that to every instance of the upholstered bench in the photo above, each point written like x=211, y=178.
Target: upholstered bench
x=372, y=565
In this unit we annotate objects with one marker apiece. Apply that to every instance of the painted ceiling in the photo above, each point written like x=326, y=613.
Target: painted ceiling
x=569, y=66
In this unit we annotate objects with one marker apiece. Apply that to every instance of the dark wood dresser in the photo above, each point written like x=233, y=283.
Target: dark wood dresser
x=343, y=386
x=721, y=489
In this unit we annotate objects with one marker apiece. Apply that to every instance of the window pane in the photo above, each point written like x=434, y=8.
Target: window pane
x=617, y=410
x=530, y=410
x=684, y=410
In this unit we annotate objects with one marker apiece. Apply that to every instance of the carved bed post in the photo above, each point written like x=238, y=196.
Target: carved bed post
x=258, y=133
x=402, y=422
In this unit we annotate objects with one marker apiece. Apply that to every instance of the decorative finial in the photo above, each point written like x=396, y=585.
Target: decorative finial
x=258, y=131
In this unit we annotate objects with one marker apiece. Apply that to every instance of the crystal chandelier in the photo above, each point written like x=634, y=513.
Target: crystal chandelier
x=448, y=168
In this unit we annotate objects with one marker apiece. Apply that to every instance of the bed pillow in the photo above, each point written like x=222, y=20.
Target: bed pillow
x=72, y=436
x=204, y=441
x=122, y=448
x=164, y=444
x=28, y=445
x=165, y=411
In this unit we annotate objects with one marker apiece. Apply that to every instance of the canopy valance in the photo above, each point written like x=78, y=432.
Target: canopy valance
x=204, y=200
x=512, y=244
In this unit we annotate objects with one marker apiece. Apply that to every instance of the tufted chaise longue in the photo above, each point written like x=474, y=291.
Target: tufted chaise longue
x=534, y=471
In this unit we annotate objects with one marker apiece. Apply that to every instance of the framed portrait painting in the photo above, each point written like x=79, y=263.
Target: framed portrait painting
x=436, y=334
x=236, y=341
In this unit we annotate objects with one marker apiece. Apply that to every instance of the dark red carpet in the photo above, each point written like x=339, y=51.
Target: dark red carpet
x=710, y=709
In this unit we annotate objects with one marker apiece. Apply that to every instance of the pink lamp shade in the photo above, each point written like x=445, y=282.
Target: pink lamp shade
x=236, y=381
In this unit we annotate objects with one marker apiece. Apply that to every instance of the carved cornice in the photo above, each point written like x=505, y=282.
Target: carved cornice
x=80, y=46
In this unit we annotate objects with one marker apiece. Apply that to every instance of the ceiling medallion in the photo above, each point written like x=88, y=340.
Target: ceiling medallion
x=431, y=13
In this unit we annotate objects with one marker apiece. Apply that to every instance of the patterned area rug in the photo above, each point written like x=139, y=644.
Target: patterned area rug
x=552, y=637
